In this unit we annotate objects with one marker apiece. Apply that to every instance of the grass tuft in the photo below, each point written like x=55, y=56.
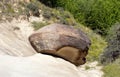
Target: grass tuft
x=113, y=69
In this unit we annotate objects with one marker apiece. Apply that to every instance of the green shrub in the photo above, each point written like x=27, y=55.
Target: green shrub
x=112, y=51
x=38, y=25
x=97, y=44
x=66, y=18
x=47, y=13
x=100, y=15
x=112, y=70
x=33, y=8
x=87, y=67
x=9, y=8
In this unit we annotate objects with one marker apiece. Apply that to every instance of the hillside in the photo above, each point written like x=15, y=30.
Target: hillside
x=22, y=18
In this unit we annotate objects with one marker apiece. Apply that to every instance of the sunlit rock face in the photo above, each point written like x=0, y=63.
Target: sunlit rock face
x=38, y=65
x=62, y=41
x=14, y=38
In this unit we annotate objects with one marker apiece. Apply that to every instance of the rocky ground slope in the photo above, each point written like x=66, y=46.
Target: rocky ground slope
x=14, y=41
x=13, y=38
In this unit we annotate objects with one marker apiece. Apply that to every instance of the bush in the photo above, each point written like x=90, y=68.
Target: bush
x=33, y=8
x=38, y=25
x=65, y=17
x=100, y=15
x=97, y=44
x=112, y=70
x=8, y=9
x=47, y=13
x=112, y=52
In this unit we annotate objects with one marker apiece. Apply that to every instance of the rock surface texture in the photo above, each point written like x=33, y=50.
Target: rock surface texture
x=37, y=65
x=14, y=38
x=62, y=41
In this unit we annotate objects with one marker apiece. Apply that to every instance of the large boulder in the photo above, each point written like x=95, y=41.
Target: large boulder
x=62, y=41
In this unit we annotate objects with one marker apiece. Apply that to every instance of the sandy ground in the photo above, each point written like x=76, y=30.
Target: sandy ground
x=90, y=69
x=14, y=42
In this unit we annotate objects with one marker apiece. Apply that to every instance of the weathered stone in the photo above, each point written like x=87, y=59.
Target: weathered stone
x=61, y=41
